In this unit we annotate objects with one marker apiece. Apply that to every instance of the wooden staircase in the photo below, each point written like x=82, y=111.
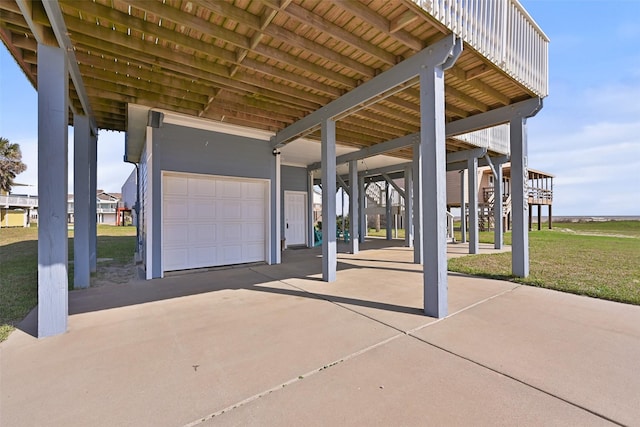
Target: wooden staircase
x=486, y=217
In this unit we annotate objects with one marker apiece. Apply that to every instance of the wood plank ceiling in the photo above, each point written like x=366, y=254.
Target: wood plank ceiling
x=257, y=63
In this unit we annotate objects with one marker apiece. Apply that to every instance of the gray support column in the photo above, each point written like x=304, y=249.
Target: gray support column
x=354, y=215
x=408, y=208
x=310, y=233
x=362, y=217
x=81, y=200
x=53, y=111
x=329, y=248
x=472, y=170
x=276, y=245
x=463, y=205
x=434, y=187
x=498, y=237
x=93, y=189
x=388, y=213
x=520, y=202
x=417, y=205
x=342, y=211
x=539, y=217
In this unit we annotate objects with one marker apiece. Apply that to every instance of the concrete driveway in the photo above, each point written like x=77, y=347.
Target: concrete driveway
x=274, y=345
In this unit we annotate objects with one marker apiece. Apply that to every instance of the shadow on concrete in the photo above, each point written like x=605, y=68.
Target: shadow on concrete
x=301, y=263
x=298, y=264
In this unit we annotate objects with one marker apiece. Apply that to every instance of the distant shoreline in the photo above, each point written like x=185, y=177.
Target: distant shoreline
x=590, y=218
x=580, y=218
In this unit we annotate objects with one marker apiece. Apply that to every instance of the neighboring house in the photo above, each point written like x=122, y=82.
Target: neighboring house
x=17, y=210
x=539, y=194
x=231, y=121
x=128, y=202
x=106, y=207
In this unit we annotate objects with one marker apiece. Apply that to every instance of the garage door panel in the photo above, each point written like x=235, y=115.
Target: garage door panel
x=174, y=235
x=176, y=186
x=174, y=208
x=229, y=210
x=210, y=221
x=204, y=256
x=253, y=232
x=202, y=187
x=175, y=258
x=232, y=254
x=229, y=189
x=252, y=190
x=202, y=233
x=253, y=210
x=253, y=252
x=202, y=209
x=231, y=232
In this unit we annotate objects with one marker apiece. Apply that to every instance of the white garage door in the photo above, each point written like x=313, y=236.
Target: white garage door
x=210, y=221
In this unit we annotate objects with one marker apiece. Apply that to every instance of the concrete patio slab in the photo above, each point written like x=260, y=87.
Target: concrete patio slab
x=274, y=345
x=170, y=361
x=579, y=349
x=409, y=383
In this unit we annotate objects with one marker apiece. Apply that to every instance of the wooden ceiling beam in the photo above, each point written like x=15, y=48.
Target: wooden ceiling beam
x=402, y=21
x=367, y=119
x=7, y=38
x=170, y=13
x=307, y=17
x=477, y=72
x=282, y=34
x=197, y=78
x=249, y=119
x=452, y=110
x=204, y=26
x=128, y=99
x=30, y=11
x=466, y=99
x=374, y=130
x=461, y=75
x=122, y=45
x=134, y=83
x=381, y=23
x=304, y=65
x=290, y=112
x=390, y=123
x=303, y=43
x=137, y=94
x=183, y=83
x=208, y=49
x=226, y=105
x=123, y=20
x=324, y=88
x=345, y=135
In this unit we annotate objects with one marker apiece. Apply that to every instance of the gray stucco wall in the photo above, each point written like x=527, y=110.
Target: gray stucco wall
x=182, y=149
x=292, y=179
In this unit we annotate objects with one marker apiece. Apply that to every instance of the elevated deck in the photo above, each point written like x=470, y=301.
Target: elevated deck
x=265, y=64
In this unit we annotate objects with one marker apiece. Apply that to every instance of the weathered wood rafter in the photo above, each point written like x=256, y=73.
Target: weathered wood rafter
x=256, y=63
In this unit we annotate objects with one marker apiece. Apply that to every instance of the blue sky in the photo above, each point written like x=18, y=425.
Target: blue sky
x=587, y=134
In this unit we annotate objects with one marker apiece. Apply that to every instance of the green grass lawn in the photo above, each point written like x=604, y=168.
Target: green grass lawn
x=19, y=267
x=598, y=259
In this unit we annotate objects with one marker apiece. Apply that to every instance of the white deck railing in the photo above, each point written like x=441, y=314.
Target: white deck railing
x=19, y=201
x=503, y=32
x=494, y=138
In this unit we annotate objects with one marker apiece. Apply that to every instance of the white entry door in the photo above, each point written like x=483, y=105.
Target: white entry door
x=295, y=217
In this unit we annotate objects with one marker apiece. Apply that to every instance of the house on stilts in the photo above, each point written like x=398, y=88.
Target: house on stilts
x=233, y=108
